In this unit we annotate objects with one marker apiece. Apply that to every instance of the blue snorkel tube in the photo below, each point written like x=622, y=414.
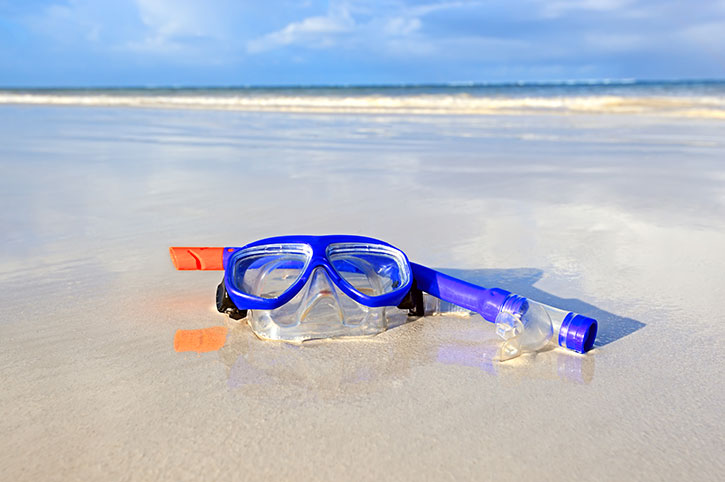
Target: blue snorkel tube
x=524, y=324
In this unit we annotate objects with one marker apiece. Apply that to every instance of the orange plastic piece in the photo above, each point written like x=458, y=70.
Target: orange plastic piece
x=197, y=258
x=201, y=341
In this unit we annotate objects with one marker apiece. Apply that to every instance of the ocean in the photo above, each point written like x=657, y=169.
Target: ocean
x=703, y=99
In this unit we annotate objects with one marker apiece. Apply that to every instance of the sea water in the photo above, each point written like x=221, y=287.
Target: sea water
x=672, y=98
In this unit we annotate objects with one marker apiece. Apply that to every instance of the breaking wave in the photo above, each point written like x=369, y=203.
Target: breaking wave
x=445, y=104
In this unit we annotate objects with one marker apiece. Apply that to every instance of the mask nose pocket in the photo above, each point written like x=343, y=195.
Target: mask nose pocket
x=319, y=310
x=321, y=303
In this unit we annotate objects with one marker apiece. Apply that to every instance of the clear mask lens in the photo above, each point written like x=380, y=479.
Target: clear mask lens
x=268, y=271
x=370, y=269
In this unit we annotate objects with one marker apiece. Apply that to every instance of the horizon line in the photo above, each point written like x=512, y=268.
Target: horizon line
x=454, y=84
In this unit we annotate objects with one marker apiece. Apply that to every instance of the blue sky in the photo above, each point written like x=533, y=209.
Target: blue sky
x=226, y=42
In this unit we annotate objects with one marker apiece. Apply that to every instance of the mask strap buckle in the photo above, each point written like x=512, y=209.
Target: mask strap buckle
x=224, y=303
x=413, y=301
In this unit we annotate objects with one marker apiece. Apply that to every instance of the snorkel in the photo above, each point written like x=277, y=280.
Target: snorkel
x=296, y=288
x=524, y=325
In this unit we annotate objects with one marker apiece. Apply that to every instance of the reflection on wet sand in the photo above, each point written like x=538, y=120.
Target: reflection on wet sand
x=548, y=364
x=325, y=369
x=202, y=340
x=354, y=367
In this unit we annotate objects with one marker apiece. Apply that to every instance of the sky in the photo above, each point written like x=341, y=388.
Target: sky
x=83, y=43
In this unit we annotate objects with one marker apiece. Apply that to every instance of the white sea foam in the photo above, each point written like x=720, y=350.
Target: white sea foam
x=679, y=106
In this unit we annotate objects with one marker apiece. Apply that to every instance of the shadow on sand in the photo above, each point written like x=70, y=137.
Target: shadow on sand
x=521, y=281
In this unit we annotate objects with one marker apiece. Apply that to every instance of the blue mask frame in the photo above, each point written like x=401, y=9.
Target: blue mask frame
x=318, y=245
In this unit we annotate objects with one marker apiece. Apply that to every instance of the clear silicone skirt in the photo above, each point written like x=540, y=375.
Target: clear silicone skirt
x=321, y=310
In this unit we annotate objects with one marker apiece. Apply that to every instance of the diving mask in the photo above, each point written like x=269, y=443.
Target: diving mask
x=297, y=288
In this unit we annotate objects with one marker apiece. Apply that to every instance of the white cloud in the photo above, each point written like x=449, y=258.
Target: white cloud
x=170, y=23
x=68, y=22
x=150, y=26
x=706, y=39
x=422, y=10
x=707, y=33
x=391, y=21
x=401, y=26
x=562, y=7
x=318, y=31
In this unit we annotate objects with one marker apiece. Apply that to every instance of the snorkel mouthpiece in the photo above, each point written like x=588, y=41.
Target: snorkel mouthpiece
x=524, y=325
x=530, y=325
x=539, y=322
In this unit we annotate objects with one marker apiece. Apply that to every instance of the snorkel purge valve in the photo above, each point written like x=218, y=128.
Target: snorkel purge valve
x=297, y=288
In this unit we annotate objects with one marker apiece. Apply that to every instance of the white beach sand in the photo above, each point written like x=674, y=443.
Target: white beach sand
x=620, y=217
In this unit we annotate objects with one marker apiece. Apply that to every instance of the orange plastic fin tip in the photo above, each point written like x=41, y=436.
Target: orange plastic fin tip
x=186, y=258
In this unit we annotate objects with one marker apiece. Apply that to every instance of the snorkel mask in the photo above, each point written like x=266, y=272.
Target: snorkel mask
x=296, y=288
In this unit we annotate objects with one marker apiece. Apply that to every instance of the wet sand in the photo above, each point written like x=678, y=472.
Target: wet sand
x=620, y=217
